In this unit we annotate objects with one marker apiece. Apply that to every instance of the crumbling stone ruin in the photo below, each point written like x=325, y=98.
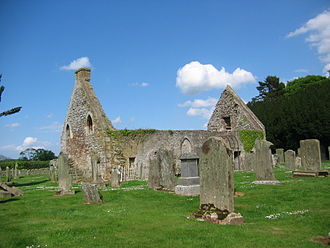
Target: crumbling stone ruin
x=95, y=147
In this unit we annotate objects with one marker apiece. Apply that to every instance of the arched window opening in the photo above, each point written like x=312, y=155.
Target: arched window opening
x=68, y=132
x=90, y=127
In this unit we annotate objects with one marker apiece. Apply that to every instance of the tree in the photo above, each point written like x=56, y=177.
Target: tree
x=11, y=111
x=37, y=154
x=270, y=89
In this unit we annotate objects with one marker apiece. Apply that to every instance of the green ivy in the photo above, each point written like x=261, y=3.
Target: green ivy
x=130, y=133
x=249, y=137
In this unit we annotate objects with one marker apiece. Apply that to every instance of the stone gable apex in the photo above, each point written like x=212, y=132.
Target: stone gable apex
x=231, y=114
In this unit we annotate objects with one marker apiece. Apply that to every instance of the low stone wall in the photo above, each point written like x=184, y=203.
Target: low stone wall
x=26, y=172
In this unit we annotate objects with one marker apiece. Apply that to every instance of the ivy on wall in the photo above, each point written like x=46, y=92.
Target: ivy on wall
x=249, y=137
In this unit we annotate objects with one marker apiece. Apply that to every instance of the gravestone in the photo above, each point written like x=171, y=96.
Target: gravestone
x=115, y=178
x=298, y=162
x=161, y=170
x=8, y=176
x=189, y=181
x=216, y=175
x=329, y=152
x=154, y=170
x=52, y=173
x=310, y=159
x=91, y=193
x=16, y=171
x=167, y=169
x=0, y=175
x=249, y=161
x=290, y=159
x=280, y=155
x=12, y=190
x=264, y=168
x=64, y=177
x=274, y=160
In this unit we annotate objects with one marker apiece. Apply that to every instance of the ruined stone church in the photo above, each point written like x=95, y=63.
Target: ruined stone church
x=95, y=147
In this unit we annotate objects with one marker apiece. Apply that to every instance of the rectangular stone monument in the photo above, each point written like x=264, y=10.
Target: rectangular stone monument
x=290, y=159
x=154, y=170
x=16, y=171
x=189, y=181
x=280, y=155
x=91, y=193
x=8, y=176
x=64, y=177
x=310, y=159
x=167, y=169
x=115, y=178
x=216, y=175
x=249, y=161
x=264, y=168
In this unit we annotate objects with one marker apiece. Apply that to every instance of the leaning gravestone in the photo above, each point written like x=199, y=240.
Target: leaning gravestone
x=310, y=159
x=264, y=168
x=115, y=178
x=91, y=193
x=64, y=177
x=280, y=155
x=290, y=159
x=216, y=184
x=11, y=190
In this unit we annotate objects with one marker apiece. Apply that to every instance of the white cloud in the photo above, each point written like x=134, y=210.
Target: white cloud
x=200, y=103
x=117, y=120
x=27, y=143
x=53, y=127
x=195, y=77
x=77, y=64
x=203, y=112
x=301, y=70
x=142, y=84
x=13, y=125
x=319, y=35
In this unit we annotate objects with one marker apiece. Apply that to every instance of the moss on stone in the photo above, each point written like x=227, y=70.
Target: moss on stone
x=130, y=132
x=249, y=137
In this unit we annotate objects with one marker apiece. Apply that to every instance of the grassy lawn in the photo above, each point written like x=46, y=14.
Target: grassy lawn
x=135, y=216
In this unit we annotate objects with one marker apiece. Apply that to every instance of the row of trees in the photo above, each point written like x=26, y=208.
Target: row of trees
x=296, y=111
x=37, y=154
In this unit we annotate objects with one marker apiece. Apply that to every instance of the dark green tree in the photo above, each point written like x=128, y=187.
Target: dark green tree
x=11, y=111
x=37, y=154
x=270, y=89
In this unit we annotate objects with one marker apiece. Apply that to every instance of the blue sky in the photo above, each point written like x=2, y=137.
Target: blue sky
x=155, y=64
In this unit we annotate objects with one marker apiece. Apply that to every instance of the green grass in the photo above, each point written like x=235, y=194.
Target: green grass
x=135, y=216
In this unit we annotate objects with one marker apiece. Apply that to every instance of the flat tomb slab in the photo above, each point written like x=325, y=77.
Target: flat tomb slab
x=310, y=173
x=191, y=190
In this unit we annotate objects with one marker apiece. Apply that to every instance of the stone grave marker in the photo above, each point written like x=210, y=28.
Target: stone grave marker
x=298, y=162
x=0, y=175
x=11, y=190
x=167, y=169
x=91, y=193
x=64, y=177
x=290, y=159
x=189, y=181
x=310, y=159
x=280, y=155
x=8, y=176
x=115, y=178
x=154, y=170
x=249, y=161
x=52, y=173
x=264, y=168
x=16, y=171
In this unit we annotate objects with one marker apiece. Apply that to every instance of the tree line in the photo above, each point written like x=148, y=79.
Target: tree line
x=295, y=111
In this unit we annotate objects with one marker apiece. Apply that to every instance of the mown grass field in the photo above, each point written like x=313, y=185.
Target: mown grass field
x=135, y=216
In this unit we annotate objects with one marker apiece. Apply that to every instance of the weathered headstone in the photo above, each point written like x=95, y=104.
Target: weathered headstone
x=216, y=175
x=249, y=161
x=16, y=171
x=189, y=181
x=280, y=155
x=8, y=176
x=0, y=175
x=298, y=162
x=264, y=168
x=91, y=193
x=290, y=159
x=310, y=159
x=274, y=160
x=154, y=170
x=167, y=169
x=12, y=190
x=64, y=177
x=52, y=173
x=115, y=178
x=329, y=152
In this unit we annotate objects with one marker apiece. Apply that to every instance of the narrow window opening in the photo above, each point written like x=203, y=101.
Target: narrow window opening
x=227, y=122
x=68, y=132
x=90, y=127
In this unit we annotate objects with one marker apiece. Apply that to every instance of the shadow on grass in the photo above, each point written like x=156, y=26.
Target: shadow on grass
x=29, y=184
x=8, y=200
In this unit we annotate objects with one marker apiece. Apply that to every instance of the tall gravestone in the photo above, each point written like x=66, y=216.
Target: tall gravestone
x=310, y=159
x=16, y=171
x=290, y=159
x=216, y=175
x=8, y=176
x=167, y=169
x=0, y=175
x=249, y=161
x=264, y=168
x=280, y=155
x=64, y=177
x=154, y=170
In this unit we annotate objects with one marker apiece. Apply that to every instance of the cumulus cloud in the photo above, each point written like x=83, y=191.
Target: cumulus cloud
x=117, y=120
x=195, y=77
x=211, y=101
x=142, y=84
x=27, y=143
x=77, y=64
x=12, y=125
x=318, y=29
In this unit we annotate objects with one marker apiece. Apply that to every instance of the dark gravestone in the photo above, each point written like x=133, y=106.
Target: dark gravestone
x=91, y=193
x=264, y=166
x=216, y=175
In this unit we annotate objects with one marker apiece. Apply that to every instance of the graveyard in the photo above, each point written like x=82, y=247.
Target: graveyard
x=286, y=215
